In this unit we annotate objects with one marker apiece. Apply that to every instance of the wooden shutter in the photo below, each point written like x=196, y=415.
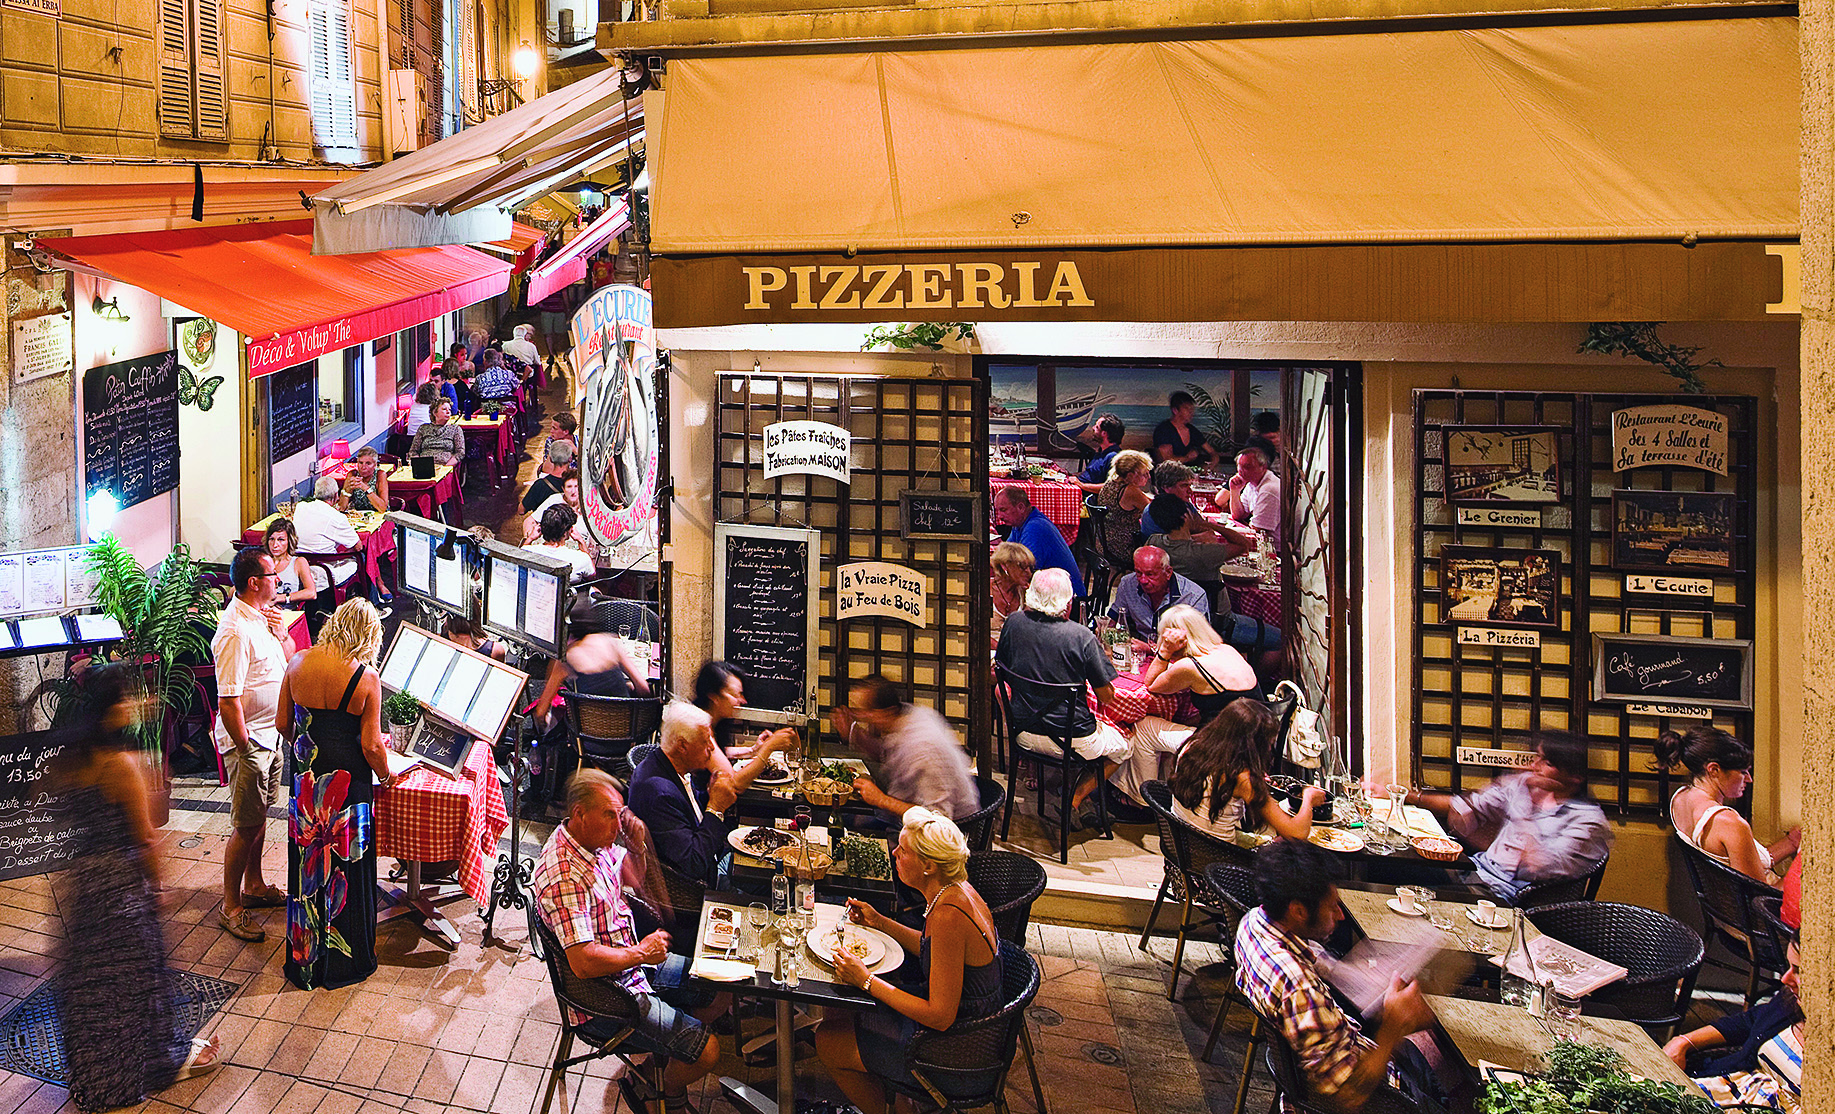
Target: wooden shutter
x=334, y=97
x=212, y=101
x=176, y=115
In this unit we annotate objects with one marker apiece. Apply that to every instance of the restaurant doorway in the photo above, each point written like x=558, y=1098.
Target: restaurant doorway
x=1048, y=408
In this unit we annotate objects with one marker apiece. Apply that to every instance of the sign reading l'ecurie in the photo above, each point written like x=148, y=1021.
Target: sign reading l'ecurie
x=1670, y=435
x=916, y=286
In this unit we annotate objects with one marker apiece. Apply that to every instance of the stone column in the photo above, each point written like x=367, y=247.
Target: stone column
x=1817, y=222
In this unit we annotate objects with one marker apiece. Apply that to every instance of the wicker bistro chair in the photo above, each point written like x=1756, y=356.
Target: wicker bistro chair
x=596, y=998
x=1770, y=912
x=1725, y=897
x=1661, y=955
x=1292, y=1093
x=605, y=728
x=1059, y=699
x=618, y=613
x=966, y=1065
x=1236, y=885
x=1102, y=571
x=635, y=757
x=1009, y=883
x=1582, y=887
x=1187, y=852
x=978, y=826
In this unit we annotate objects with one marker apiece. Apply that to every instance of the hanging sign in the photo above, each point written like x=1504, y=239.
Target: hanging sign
x=1500, y=516
x=1674, y=711
x=1669, y=435
x=1491, y=756
x=1698, y=588
x=1504, y=639
x=808, y=448
x=42, y=346
x=869, y=588
x=614, y=349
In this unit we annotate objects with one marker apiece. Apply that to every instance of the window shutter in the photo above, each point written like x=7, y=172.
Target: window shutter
x=212, y=102
x=334, y=94
x=344, y=77
x=176, y=116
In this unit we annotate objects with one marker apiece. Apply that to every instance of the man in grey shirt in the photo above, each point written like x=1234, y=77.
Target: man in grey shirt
x=921, y=761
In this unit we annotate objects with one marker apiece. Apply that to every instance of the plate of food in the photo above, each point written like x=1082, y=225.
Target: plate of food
x=722, y=928
x=1334, y=839
x=760, y=841
x=867, y=945
x=774, y=773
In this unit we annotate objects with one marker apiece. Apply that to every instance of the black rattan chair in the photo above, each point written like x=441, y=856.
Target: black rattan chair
x=1009, y=883
x=1102, y=571
x=966, y=1065
x=978, y=826
x=1290, y=1084
x=1725, y=898
x=597, y=998
x=1187, y=852
x=1236, y=885
x=1582, y=887
x=1660, y=954
x=634, y=757
x=621, y=613
x=1770, y=912
x=1051, y=701
x=604, y=728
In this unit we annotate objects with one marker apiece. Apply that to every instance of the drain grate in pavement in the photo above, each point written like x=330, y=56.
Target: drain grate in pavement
x=32, y=1038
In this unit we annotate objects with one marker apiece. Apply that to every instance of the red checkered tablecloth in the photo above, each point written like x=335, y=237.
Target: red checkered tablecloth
x=1132, y=702
x=430, y=818
x=1059, y=500
x=1256, y=601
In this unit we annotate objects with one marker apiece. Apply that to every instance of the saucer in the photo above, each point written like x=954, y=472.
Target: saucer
x=1396, y=907
x=1500, y=921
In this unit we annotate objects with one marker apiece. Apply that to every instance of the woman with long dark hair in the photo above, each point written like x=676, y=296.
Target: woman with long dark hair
x=719, y=690
x=1219, y=779
x=118, y=1001
x=1719, y=770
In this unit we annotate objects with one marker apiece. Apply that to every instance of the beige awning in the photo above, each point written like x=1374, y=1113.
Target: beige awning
x=462, y=188
x=1662, y=130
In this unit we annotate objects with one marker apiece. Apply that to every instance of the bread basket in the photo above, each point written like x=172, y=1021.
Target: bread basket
x=827, y=792
x=817, y=868
x=1435, y=848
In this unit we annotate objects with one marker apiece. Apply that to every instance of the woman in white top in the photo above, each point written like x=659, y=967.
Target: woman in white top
x=292, y=575
x=421, y=412
x=1719, y=769
x=1218, y=778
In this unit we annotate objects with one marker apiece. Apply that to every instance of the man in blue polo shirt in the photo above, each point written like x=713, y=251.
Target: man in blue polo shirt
x=1107, y=432
x=1143, y=595
x=1013, y=507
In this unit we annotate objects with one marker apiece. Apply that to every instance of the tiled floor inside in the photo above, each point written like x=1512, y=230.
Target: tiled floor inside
x=472, y=1029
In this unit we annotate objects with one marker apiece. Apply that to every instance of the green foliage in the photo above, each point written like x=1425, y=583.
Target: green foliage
x=1639, y=339
x=1580, y=1078
x=917, y=334
x=165, y=618
x=866, y=858
x=1212, y=418
x=400, y=708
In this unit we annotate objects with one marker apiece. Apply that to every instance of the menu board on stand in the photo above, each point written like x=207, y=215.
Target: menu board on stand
x=130, y=428
x=37, y=828
x=293, y=411
x=526, y=596
x=765, y=617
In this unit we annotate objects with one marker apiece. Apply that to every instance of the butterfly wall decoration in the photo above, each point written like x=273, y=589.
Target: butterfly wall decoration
x=197, y=391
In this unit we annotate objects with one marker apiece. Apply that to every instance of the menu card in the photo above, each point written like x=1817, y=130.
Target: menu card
x=1575, y=973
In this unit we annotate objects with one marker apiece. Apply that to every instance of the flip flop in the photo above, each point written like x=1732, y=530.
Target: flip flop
x=203, y=1058
x=271, y=898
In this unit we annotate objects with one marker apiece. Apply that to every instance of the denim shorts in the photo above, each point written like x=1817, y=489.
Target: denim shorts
x=664, y=1025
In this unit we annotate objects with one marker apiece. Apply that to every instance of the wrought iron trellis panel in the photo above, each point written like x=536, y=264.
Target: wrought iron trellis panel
x=908, y=433
x=1488, y=697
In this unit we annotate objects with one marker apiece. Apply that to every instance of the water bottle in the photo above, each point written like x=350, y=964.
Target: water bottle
x=806, y=902
x=1519, y=984
x=780, y=893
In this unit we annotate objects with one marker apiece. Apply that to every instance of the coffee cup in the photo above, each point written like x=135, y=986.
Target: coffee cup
x=1405, y=899
x=1487, y=912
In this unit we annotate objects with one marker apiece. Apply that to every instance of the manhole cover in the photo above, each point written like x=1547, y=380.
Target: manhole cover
x=190, y=841
x=1103, y=1053
x=1045, y=1015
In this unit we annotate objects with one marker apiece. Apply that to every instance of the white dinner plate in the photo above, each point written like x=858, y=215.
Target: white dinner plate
x=736, y=839
x=821, y=944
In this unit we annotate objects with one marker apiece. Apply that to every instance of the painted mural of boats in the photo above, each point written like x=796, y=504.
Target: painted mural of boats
x=1013, y=421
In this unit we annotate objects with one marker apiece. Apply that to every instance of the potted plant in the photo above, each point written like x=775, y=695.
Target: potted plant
x=165, y=617
x=403, y=715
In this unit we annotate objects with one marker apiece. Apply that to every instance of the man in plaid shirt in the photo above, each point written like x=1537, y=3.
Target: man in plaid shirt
x=1276, y=969
x=579, y=888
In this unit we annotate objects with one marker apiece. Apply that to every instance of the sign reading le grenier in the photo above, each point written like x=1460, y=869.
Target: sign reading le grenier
x=1020, y=284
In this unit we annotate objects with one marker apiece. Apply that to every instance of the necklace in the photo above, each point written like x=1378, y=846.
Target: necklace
x=933, y=901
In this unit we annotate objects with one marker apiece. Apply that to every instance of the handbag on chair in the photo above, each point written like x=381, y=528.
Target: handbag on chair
x=1301, y=742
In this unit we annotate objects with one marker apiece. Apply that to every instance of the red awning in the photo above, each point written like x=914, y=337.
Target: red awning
x=263, y=281
x=521, y=247
x=568, y=265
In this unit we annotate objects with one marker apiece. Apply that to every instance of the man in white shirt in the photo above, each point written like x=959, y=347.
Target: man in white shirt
x=1255, y=490
x=250, y=661
x=522, y=346
x=557, y=523
x=323, y=528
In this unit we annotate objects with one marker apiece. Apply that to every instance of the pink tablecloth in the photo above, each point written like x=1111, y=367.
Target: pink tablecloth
x=488, y=439
x=430, y=818
x=423, y=495
x=376, y=544
x=1059, y=500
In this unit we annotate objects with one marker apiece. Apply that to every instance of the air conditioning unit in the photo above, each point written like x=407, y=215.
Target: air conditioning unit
x=407, y=107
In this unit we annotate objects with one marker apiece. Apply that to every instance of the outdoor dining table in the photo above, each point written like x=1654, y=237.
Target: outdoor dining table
x=489, y=438
x=1374, y=917
x=375, y=539
x=428, y=817
x=1059, y=500
x=755, y=873
x=814, y=986
x=1510, y=1037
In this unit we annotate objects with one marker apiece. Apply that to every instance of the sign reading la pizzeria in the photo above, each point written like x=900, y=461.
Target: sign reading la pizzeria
x=1021, y=284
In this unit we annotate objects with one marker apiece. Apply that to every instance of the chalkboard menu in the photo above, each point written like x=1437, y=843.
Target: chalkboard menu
x=130, y=428
x=765, y=618
x=37, y=829
x=293, y=411
x=940, y=516
x=1649, y=668
x=441, y=748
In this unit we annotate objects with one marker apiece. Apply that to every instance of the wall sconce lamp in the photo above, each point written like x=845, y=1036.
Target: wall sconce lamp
x=109, y=310
x=525, y=61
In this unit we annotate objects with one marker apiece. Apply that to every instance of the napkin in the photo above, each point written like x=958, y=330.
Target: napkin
x=721, y=970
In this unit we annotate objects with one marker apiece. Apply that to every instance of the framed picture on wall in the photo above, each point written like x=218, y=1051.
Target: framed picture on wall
x=1500, y=587
x=1673, y=529
x=1502, y=464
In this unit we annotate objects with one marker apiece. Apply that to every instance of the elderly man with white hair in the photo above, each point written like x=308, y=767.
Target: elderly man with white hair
x=323, y=528
x=522, y=346
x=1040, y=644
x=685, y=788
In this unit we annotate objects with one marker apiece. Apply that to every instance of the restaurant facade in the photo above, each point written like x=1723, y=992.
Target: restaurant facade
x=1150, y=204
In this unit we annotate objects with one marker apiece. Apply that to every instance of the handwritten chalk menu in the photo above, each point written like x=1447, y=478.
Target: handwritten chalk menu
x=765, y=615
x=1650, y=668
x=130, y=428
x=293, y=411
x=37, y=828
x=940, y=516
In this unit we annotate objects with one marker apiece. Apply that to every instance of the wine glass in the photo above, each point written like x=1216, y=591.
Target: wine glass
x=758, y=916
x=789, y=951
